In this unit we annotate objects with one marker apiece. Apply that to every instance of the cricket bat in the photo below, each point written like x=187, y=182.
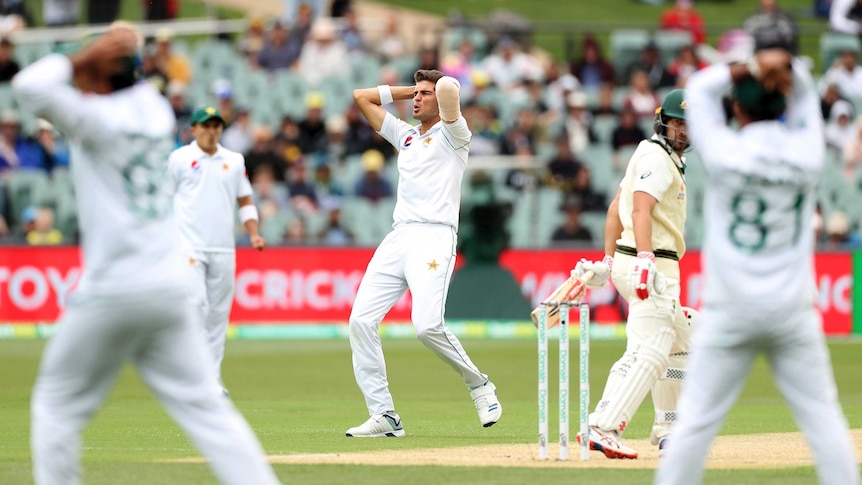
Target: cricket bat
x=571, y=290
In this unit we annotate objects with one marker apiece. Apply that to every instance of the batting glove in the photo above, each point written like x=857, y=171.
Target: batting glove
x=601, y=273
x=642, y=274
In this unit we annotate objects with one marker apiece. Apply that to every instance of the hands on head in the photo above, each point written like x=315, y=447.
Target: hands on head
x=776, y=69
x=105, y=57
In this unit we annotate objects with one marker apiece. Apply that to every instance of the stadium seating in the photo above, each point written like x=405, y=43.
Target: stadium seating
x=832, y=43
x=626, y=46
x=669, y=43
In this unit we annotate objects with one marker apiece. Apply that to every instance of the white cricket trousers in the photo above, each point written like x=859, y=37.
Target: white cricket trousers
x=153, y=331
x=420, y=257
x=215, y=279
x=724, y=346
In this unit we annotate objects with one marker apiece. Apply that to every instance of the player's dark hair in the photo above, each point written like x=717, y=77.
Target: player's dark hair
x=128, y=75
x=432, y=75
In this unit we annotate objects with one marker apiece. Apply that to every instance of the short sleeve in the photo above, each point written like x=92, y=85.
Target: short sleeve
x=394, y=131
x=653, y=175
x=457, y=133
x=243, y=188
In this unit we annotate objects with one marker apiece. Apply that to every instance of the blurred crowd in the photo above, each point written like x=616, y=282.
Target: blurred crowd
x=517, y=100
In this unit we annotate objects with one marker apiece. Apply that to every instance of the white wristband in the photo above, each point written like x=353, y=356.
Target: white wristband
x=248, y=213
x=385, y=93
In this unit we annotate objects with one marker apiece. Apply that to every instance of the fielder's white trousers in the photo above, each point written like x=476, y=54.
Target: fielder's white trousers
x=215, y=279
x=420, y=257
x=724, y=346
x=81, y=363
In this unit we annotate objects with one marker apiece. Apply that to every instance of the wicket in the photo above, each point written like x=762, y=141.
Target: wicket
x=584, y=353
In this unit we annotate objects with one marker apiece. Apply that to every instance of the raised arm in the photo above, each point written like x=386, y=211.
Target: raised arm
x=370, y=100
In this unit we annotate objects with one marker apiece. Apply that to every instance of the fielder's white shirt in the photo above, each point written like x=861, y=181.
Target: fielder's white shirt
x=206, y=191
x=430, y=169
x=118, y=145
x=759, y=204
x=659, y=174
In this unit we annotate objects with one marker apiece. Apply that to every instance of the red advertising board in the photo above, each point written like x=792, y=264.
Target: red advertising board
x=318, y=285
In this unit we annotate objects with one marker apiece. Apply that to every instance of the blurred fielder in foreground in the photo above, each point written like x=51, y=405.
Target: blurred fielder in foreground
x=419, y=253
x=131, y=302
x=758, y=262
x=210, y=182
x=643, y=245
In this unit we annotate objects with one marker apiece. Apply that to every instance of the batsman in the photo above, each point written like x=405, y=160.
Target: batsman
x=643, y=245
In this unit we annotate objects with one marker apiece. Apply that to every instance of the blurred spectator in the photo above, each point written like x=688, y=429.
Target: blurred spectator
x=830, y=97
x=334, y=234
x=839, y=235
x=296, y=233
x=295, y=9
x=14, y=17
x=840, y=129
x=481, y=122
x=846, y=73
x=266, y=189
x=525, y=176
x=582, y=191
x=372, y=185
x=329, y=193
x=524, y=134
x=239, y=136
x=507, y=65
x=564, y=167
x=846, y=16
x=650, y=62
x=42, y=231
x=571, y=230
x=56, y=151
x=312, y=130
x=338, y=8
x=8, y=65
x=102, y=11
x=628, y=132
x=323, y=54
x=592, y=70
x=640, y=97
x=26, y=223
x=175, y=66
x=350, y=34
x=686, y=63
x=772, y=27
x=224, y=100
x=156, y=10
x=277, y=52
x=60, y=13
x=852, y=152
x=560, y=83
x=392, y=46
x=683, y=16
x=176, y=94
x=302, y=193
x=429, y=58
x=151, y=72
x=300, y=29
x=253, y=40
x=336, y=145
x=460, y=64
x=262, y=154
x=358, y=136
x=16, y=151
x=579, y=123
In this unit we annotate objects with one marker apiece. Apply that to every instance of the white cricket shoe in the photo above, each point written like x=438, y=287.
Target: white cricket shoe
x=487, y=404
x=378, y=426
x=609, y=443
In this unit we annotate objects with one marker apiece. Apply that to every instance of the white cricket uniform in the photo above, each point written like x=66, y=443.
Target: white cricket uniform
x=760, y=290
x=206, y=188
x=132, y=300
x=660, y=174
x=418, y=254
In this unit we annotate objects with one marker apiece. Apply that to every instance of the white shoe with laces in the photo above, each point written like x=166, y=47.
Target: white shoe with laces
x=609, y=443
x=378, y=426
x=487, y=404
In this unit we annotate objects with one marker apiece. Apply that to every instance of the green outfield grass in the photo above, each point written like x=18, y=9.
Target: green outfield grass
x=300, y=397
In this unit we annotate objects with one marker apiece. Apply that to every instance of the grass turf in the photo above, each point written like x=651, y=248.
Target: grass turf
x=300, y=397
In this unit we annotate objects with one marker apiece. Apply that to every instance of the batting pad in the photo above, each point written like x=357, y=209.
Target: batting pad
x=651, y=359
x=665, y=395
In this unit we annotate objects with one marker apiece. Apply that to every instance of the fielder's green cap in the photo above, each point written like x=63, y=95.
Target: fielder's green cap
x=202, y=115
x=757, y=101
